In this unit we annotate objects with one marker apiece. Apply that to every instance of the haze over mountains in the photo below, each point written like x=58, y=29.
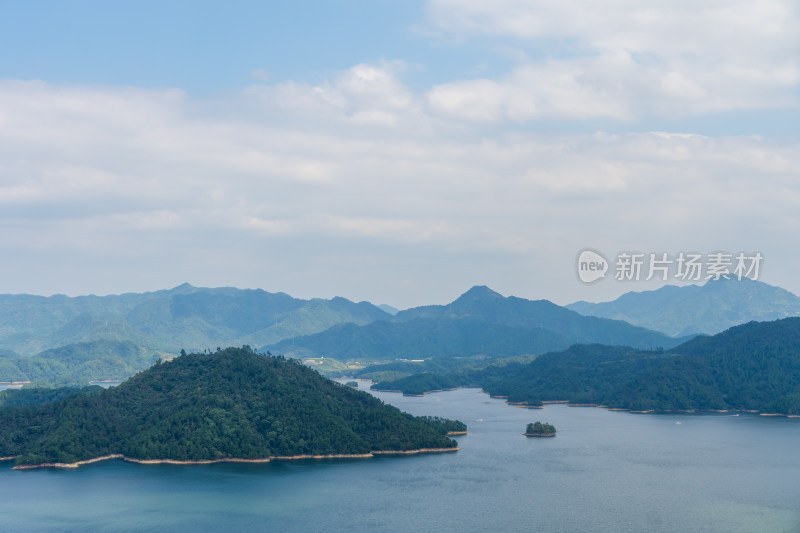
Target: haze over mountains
x=692, y=309
x=79, y=363
x=480, y=322
x=185, y=317
x=111, y=337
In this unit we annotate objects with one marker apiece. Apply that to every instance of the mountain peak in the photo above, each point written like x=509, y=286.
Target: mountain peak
x=479, y=292
x=183, y=288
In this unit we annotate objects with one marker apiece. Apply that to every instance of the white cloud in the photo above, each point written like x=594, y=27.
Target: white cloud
x=366, y=94
x=153, y=186
x=625, y=59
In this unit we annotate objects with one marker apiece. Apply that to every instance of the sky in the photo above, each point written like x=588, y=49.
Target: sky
x=393, y=151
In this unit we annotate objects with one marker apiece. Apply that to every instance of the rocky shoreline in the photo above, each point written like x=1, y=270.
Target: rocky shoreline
x=414, y=452
x=231, y=459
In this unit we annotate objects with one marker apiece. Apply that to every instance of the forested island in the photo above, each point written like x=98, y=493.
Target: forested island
x=540, y=429
x=233, y=404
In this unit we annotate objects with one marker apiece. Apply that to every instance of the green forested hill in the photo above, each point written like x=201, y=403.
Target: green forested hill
x=755, y=366
x=40, y=396
x=184, y=317
x=230, y=404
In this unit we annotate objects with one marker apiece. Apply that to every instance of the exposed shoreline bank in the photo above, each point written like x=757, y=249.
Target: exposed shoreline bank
x=373, y=453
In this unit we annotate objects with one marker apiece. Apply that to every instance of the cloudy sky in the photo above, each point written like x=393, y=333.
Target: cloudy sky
x=392, y=151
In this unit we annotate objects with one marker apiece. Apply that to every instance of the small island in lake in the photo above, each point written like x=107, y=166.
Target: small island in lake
x=539, y=429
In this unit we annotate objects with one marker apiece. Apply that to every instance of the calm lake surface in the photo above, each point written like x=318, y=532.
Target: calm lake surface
x=604, y=472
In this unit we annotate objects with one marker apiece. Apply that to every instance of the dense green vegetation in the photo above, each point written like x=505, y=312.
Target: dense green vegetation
x=582, y=374
x=539, y=429
x=39, y=396
x=233, y=403
x=710, y=308
x=754, y=366
x=78, y=364
x=184, y=317
x=444, y=425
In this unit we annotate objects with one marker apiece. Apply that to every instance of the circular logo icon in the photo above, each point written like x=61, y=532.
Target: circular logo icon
x=592, y=266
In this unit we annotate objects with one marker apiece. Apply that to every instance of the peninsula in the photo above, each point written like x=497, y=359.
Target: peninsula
x=230, y=405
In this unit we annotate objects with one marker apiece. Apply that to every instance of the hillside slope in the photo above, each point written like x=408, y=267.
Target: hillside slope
x=232, y=403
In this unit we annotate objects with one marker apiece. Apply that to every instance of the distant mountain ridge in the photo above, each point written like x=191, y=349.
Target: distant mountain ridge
x=79, y=363
x=708, y=309
x=479, y=322
x=187, y=317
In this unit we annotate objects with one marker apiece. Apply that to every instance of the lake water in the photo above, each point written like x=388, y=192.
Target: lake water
x=604, y=472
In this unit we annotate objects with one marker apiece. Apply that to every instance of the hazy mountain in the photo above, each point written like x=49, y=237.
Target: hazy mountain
x=184, y=317
x=421, y=338
x=229, y=404
x=480, y=322
x=79, y=363
x=483, y=304
x=709, y=308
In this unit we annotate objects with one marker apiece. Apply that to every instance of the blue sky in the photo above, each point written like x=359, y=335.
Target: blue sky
x=395, y=151
x=207, y=47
